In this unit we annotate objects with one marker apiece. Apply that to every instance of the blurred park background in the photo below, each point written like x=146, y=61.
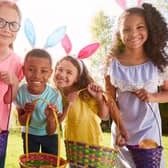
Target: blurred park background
x=97, y=26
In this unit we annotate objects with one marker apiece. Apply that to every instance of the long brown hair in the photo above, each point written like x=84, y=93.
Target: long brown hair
x=84, y=77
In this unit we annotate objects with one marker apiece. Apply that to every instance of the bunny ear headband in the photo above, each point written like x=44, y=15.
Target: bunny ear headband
x=85, y=52
x=123, y=3
x=53, y=39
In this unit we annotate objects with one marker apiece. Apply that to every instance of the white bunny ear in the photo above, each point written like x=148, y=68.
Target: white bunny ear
x=66, y=44
x=122, y=4
x=30, y=32
x=55, y=37
x=88, y=50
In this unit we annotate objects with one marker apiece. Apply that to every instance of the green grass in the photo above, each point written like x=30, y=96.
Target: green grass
x=15, y=148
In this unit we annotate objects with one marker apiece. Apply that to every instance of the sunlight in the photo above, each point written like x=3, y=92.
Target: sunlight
x=48, y=15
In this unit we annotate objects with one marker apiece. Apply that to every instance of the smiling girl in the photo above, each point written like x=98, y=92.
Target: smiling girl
x=137, y=59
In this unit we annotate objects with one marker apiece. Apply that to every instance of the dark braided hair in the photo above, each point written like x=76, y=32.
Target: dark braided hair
x=156, y=44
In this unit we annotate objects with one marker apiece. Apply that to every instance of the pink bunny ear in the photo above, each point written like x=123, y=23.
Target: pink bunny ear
x=139, y=2
x=88, y=50
x=66, y=44
x=122, y=3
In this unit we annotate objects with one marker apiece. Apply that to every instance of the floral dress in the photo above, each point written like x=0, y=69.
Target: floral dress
x=142, y=120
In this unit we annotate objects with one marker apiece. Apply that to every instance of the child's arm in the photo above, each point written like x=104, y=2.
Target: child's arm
x=69, y=99
x=23, y=113
x=61, y=116
x=122, y=136
x=97, y=93
x=51, y=122
x=159, y=97
x=13, y=82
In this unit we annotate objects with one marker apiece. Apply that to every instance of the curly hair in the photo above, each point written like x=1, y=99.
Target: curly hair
x=156, y=44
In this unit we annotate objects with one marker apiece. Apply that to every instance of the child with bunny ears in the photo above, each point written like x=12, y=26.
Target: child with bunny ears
x=42, y=127
x=84, y=104
x=136, y=68
x=10, y=67
x=37, y=70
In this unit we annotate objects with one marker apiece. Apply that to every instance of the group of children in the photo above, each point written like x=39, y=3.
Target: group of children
x=137, y=60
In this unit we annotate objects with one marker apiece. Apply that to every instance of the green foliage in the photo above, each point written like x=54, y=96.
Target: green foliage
x=101, y=30
x=164, y=115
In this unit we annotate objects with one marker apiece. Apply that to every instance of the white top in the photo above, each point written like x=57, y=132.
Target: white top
x=137, y=115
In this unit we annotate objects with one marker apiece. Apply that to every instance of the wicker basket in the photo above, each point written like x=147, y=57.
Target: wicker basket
x=146, y=158
x=42, y=160
x=89, y=156
x=47, y=160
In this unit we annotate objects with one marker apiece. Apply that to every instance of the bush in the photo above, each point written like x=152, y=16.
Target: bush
x=164, y=115
x=106, y=125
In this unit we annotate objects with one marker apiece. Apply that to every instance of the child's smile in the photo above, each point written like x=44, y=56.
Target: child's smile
x=37, y=72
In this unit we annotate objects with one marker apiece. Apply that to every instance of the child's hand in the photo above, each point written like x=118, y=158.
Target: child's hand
x=29, y=108
x=49, y=110
x=8, y=78
x=144, y=95
x=51, y=123
x=95, y=91
x=122, y=138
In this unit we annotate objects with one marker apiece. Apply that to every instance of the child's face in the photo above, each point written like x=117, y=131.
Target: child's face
x=133, y=31
x=37, y=71
x=66, y=74
x=7, y=15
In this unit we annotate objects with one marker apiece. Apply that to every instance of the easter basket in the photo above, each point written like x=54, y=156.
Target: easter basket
x=147, y=157
x=83, y=155
x=90, y=156
x=4, y=133
x=42, y=160
x=3, y=142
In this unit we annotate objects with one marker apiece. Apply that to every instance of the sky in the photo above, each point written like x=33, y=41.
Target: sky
x=47, y=15
x=76, y=15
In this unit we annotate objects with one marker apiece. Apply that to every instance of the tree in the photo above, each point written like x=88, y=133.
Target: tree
x=101, y=30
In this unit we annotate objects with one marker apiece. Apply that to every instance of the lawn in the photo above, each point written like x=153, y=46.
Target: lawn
x=15, y=148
